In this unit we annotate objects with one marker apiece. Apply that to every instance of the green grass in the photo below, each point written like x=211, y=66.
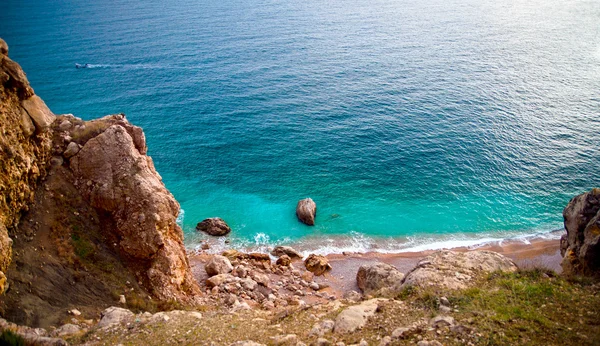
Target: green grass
x=8, y=338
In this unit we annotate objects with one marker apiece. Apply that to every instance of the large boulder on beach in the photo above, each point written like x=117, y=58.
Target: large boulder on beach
x=580, y=246
x=456, y=270
x=279, y=251
x=306, y=210
x=317, y=264
x=214, y=226
x=379, y=278
x=218, y=265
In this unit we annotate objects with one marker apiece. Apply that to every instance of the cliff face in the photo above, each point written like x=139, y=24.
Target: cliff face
x=25, y=148
x=88, y=214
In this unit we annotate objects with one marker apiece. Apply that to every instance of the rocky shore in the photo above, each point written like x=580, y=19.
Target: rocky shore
x=90, y=253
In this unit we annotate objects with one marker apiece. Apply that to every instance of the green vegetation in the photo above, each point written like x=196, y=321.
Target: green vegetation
x=8, y=338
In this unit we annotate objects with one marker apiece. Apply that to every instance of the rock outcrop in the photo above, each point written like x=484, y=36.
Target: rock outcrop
x=306, y=210
x=379, y=278
x=456, y=270
x=580, y=246
x=24, y=150
x=214, y=226
x=120, y=181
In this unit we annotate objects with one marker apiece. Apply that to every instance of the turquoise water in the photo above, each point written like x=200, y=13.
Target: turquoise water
x=408, y=122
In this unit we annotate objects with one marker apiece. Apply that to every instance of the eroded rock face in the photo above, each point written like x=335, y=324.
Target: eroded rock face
x=379, y=278
x=317, y=264
x=214, y=226
x=306, y=210
x=580, y=246
x=456, y=270
x=121, y=182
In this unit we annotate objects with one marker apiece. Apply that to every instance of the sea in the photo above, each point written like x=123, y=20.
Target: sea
x=413, y=124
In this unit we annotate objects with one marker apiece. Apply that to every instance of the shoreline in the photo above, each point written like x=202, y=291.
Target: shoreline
x=536, y=252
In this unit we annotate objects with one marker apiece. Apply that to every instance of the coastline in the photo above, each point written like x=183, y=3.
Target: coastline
x=534, y=252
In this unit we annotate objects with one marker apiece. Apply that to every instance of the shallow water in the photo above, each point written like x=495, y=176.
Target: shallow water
x=408, y=122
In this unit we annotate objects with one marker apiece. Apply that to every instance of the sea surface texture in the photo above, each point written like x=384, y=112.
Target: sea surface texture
x=410, y=123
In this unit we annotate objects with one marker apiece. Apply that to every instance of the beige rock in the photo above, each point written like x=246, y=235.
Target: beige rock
x=146, y=225
x=40, y=114
x=218, y=265
x=18, y=79
x=3, y=47
x=306, y=211
x=218, y=280
x=279, y=251
x=26, y=123
x=355, y=317
x=456, y=270
x=379, y=278
x=317, y=264
x=284, y=260
x=72, y=150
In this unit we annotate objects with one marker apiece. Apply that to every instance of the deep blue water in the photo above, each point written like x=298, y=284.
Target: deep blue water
x=420, y=120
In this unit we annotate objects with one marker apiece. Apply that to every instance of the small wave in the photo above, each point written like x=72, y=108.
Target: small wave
x=180, y=217
x=136, y=66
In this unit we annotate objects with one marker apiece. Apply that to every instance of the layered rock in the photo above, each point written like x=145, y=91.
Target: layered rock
x=580, y=246
x=306, y=211
x=456, y=270
x=24, y=149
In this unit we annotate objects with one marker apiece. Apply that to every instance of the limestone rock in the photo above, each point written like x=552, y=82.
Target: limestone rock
x=3, y=47
x=214, y=226
x=284, y=260
x=72, y=150
x=317, y=264
x=18, y=80
x=67, y=329
x=306, y=211
x=279, y=251
x=40, y=114
x=218, y=265
x=355, y=317
x=113, y=316
x=441, y=321
x=26, y=123
x=115, y=172
x=456, y=270
x=218, y=280
x=379, y=278
x=580, y=246
x=322, y=328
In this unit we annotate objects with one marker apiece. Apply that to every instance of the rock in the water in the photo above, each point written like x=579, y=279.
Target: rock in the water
x=379, y=278
x=114, y=315
x=72, y=150
x=580, y=246
x=456, y=270
x=40, y=114
x=317, y=264
x=218, y=265
x=214, y=226
x=279, y=251
x=306, y=211
x=284, y=260
x=355, y=317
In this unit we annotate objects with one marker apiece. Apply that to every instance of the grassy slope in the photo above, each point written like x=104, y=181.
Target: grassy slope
x=532, y=307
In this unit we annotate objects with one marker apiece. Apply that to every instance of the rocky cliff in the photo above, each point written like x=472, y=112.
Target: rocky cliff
x=84, y=216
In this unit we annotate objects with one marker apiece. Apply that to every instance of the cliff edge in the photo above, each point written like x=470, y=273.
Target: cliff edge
x=84, y=216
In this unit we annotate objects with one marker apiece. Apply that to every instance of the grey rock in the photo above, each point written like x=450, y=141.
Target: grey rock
x=355, y=317
x=306, y=211
x=72, y=150
x=322, y=328
x=67, y=329
x=442, y=321
x=113, y=316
